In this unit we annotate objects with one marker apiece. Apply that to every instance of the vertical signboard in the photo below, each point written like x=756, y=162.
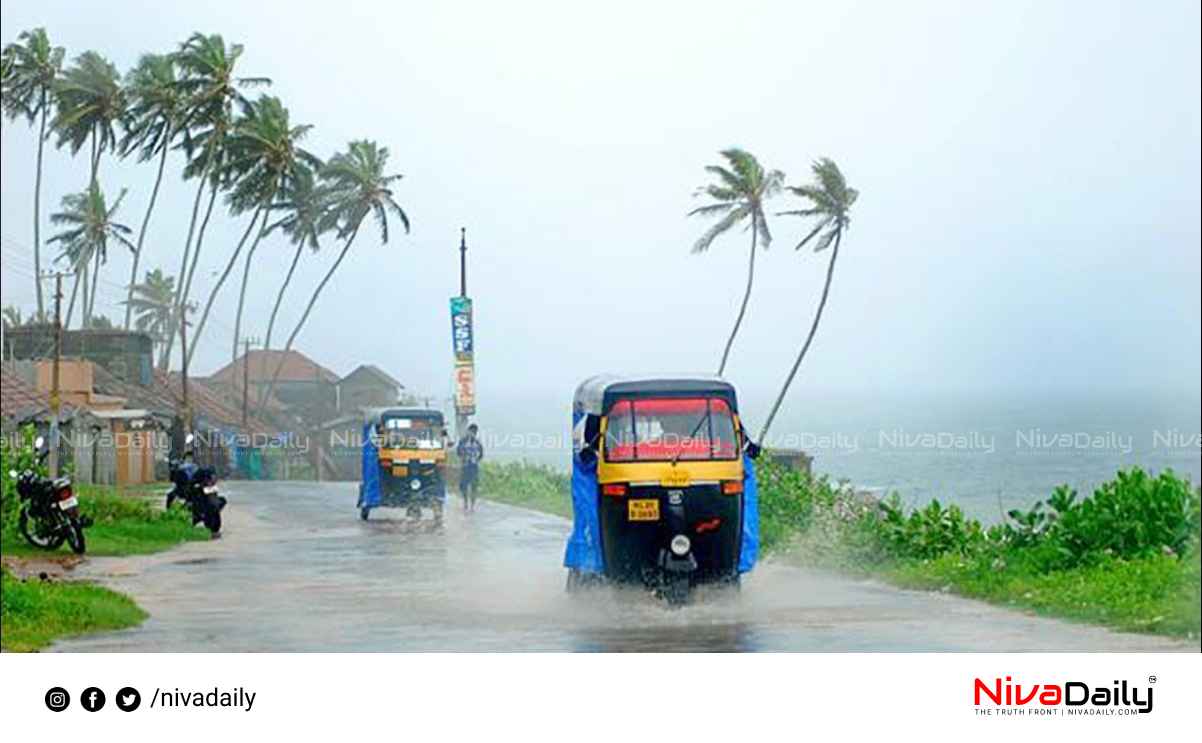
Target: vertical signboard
x=462, y=344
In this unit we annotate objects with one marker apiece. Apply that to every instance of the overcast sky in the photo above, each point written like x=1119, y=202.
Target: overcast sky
x=1029, y=178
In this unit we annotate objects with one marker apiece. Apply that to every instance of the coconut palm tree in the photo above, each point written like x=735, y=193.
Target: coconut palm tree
x=830, y=201
x=208, y=80
x=304, y=205
x=263, y=153
x=151, y=304
x=356, y=187
x=31, y=66
x=156, y=105
x=90, y=103
x=89, y=226
x=739, y=195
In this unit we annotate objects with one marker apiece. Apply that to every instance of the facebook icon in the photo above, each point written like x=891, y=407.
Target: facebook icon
x=92, y=699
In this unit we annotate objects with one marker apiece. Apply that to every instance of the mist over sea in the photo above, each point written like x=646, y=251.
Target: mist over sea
x=985, y=453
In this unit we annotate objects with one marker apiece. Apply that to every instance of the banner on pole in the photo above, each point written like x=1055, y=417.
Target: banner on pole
x=463, y=347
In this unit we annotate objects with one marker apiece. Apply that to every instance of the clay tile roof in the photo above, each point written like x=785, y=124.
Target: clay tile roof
x=17, y=397
x=371, y=370
x=294, y=367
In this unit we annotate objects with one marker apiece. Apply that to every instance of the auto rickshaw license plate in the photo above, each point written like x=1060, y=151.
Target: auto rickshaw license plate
x=642, y=509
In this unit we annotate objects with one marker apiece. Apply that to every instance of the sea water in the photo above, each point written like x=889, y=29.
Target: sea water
x=987, y=453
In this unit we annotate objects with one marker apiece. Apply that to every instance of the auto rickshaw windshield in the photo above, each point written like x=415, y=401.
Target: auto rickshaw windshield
x=410, y=433
x=652, y=429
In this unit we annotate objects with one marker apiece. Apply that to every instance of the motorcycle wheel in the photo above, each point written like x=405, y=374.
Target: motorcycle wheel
x=29, y=527
x=75, y=536
x=170, y=498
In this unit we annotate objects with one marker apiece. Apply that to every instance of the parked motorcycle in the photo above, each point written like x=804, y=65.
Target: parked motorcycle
x=49, y=512
x=196, y=487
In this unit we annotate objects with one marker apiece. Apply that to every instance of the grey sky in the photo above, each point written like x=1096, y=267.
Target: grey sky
x=1029, y=177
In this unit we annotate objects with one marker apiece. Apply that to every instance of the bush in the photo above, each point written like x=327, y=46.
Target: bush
x=19, y=458
x=1134, y=515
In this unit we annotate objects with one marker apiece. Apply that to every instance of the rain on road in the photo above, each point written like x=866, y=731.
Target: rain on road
x=298, y=571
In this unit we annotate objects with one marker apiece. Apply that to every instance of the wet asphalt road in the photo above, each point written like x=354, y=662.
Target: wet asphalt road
x=298, y=571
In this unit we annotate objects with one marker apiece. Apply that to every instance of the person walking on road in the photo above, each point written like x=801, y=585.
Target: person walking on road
x=470, y=451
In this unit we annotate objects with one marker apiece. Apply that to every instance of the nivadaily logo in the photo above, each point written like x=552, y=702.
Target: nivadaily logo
x=1062, y=698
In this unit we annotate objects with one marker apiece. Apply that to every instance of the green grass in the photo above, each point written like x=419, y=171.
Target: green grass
x=1148, y=594
x=123, y=524
x=34, y=613
x=130, y=522
x=530, y=486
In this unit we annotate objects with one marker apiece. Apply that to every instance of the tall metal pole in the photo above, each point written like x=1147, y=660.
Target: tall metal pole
x=183, y=344
x=55, y=392
x=461, y=419
x=463, y=261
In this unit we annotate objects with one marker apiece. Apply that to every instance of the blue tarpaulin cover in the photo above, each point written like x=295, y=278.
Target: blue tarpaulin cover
x=751, y=518
x=584, y=545
x=369, y=490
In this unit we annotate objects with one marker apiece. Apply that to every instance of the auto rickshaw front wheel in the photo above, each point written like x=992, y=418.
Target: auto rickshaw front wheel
x=675, y=589
x=364, y=513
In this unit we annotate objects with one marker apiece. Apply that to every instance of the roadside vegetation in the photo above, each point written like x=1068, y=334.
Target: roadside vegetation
x=35, y=610
x=1125, y=557
x=532, y=486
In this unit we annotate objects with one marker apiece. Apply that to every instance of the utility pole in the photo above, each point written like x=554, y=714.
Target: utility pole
x=55, y=392
x=461, y=416
x=463, y=261
x=183, y=347
x=246, y=344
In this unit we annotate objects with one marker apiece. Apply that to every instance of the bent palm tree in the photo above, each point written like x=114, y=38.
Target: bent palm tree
x=89, y=228
x=90, y=102
x=263, y=153
x=304, y=204
x=156, y=105
x=151, y=304
x=357, y=187
x=830, y=200
x=31, y=67
x=207, y=68
x=739, y=196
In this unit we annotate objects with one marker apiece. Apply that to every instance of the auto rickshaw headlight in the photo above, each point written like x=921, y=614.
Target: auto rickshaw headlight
x=415, y=484
x=680, y=545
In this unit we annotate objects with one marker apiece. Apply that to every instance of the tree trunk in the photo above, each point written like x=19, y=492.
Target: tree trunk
x=154, y=194
x=95, y=289
x=200, y=237
x=181, y=290
x=71, y=304
x=826, y=288
x=229, y=266
x=83, y=303
x=250, y=254
x=37, y=214
x=181, y=293
x=304, y=317
x=280, y=297
x=746, y=296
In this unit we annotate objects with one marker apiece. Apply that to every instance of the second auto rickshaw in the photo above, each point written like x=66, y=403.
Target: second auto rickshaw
x=404, y=461
x=663, y=486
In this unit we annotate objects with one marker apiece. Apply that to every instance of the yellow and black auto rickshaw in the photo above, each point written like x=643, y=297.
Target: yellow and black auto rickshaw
x=663, y=487
x=404, y=461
